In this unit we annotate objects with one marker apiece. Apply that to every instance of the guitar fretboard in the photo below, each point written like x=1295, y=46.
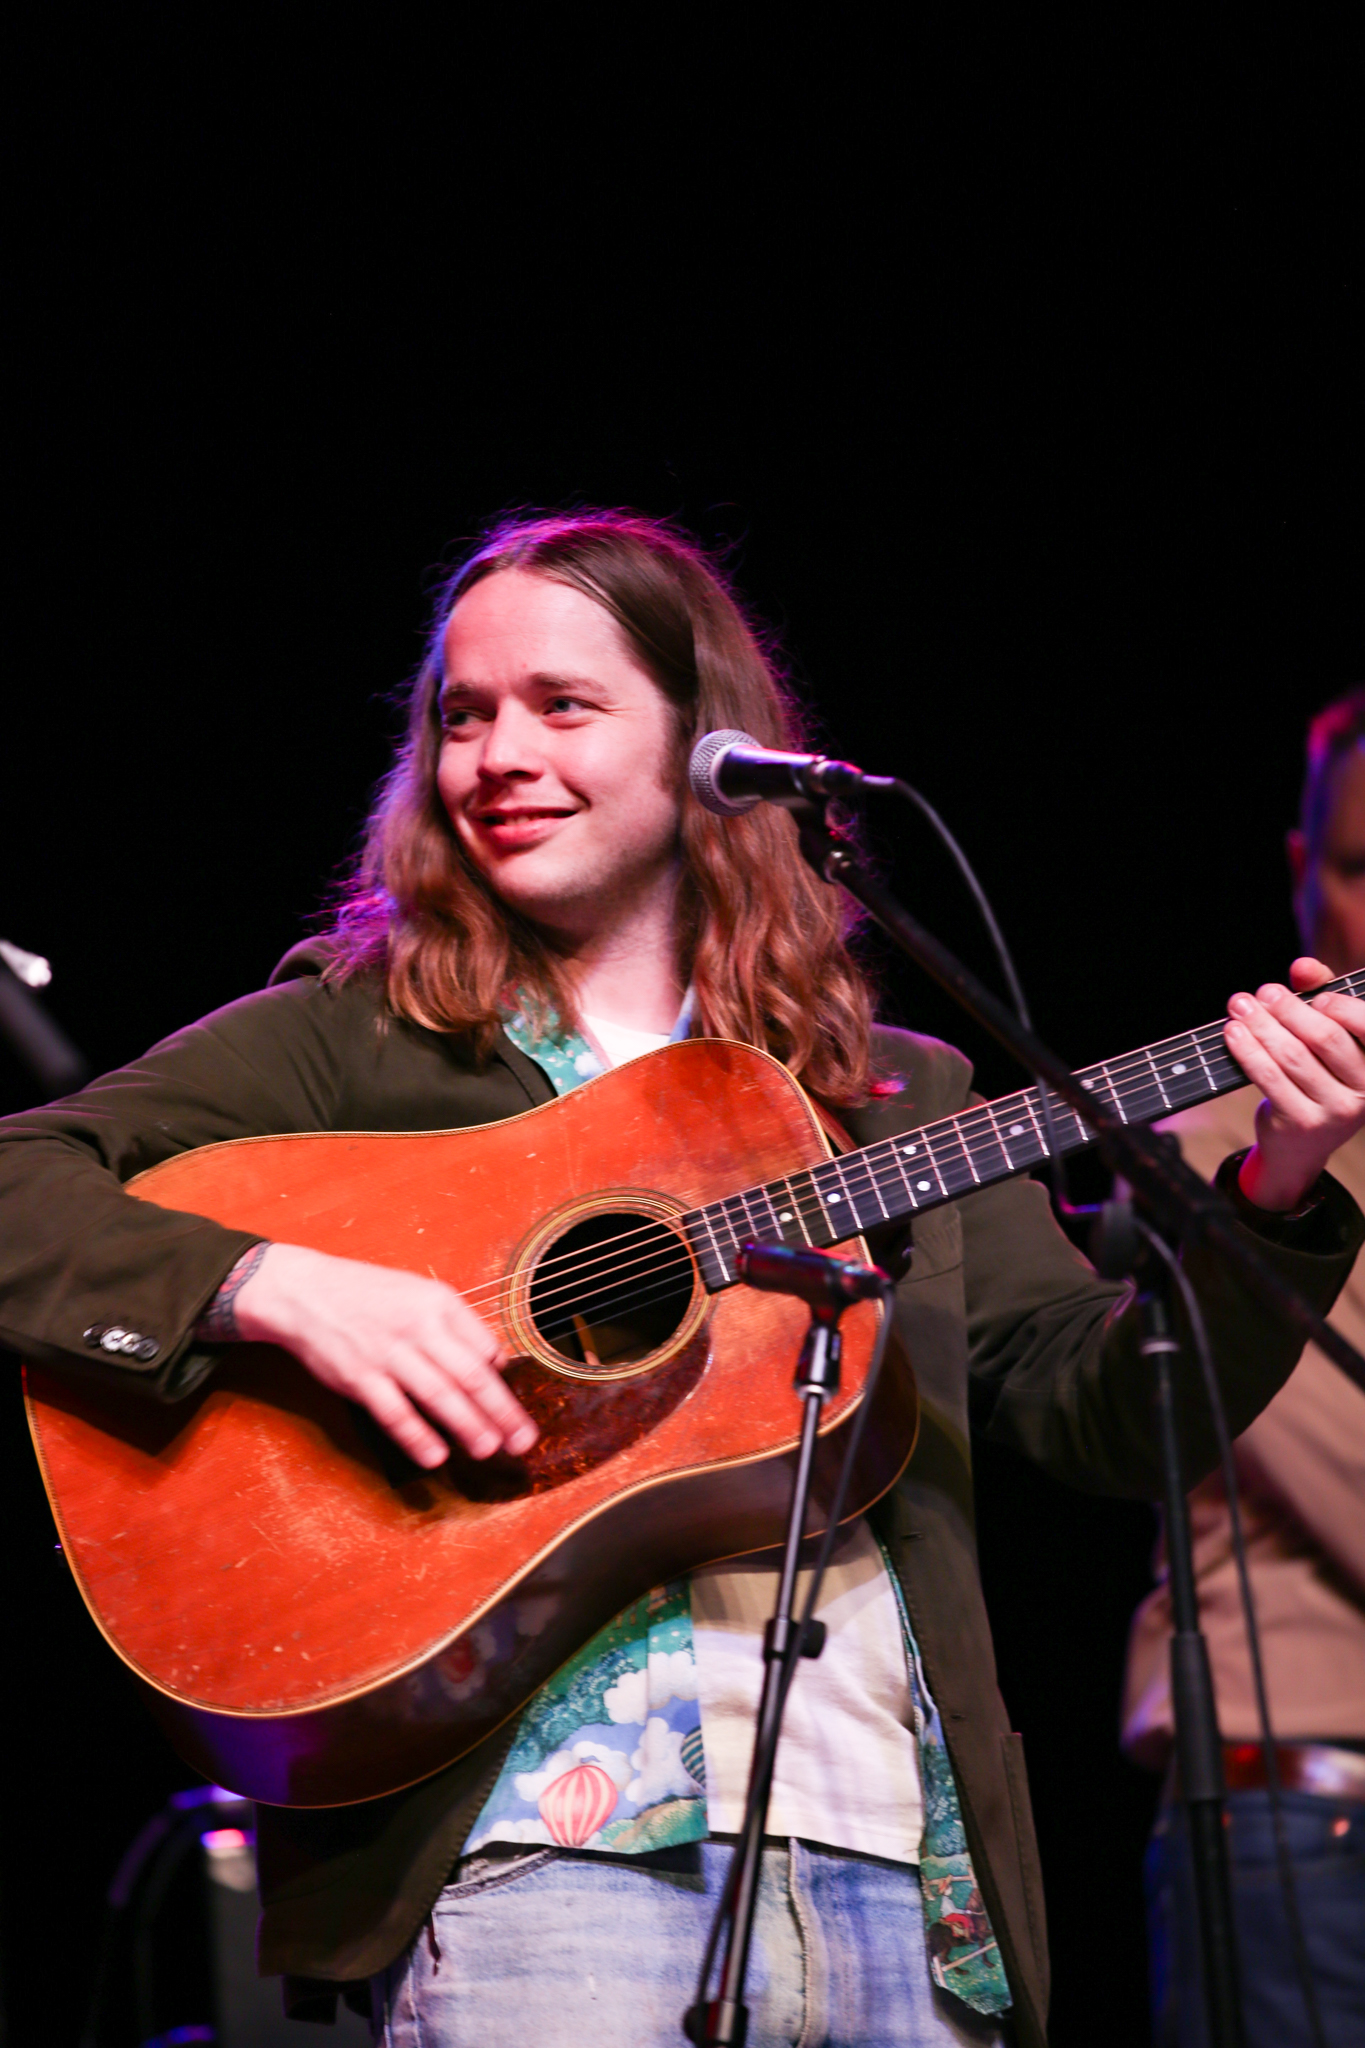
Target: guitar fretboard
x=991, y=1141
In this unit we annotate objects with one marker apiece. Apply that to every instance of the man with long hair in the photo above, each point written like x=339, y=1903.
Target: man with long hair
x=540, y=897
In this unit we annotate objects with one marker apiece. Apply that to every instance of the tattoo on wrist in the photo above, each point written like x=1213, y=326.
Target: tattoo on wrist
x=218, y=1324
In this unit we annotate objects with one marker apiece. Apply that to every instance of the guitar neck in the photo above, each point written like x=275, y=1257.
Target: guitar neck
x=991, y=1141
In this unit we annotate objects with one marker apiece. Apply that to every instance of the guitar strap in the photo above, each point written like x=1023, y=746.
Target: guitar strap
x=832, y=1128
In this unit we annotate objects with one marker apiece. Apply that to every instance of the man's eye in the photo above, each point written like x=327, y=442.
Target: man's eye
x=454, y=718
x=564, y=704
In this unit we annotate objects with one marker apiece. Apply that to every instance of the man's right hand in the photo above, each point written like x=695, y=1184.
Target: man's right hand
x=404, y=1347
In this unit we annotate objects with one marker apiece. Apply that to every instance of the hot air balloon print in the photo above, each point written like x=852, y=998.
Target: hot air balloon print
x=576, y=1804
x=694, y=1756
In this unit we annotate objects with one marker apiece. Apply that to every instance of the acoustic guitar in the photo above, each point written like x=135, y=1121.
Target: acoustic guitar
x=313, y=1618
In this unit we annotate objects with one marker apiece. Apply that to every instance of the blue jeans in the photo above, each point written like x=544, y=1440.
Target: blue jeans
x=1327, y=1843
x=562, y=1951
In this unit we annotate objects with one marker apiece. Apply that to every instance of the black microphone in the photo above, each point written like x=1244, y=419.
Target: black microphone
x=824, y=1283
x=730, y=772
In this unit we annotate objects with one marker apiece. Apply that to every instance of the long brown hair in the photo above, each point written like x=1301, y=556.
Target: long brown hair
x=764, y=942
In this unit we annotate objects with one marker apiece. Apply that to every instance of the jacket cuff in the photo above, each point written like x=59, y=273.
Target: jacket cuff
x=1326, y=1224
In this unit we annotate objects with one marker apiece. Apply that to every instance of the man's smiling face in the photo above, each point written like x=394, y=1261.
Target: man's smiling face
x=559, y=763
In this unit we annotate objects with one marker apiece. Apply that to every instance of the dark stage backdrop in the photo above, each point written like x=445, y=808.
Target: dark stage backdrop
x=1038, y=440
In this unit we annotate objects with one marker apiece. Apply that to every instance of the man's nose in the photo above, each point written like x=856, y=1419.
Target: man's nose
x=512, y=744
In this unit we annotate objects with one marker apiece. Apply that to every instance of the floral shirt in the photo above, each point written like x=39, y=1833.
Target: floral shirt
x=610, y=1754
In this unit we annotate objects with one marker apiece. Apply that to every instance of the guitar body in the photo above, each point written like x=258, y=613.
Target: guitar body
x=315, y=1620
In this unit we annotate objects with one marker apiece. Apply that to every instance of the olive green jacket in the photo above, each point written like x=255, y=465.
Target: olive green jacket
x=1003, y=1322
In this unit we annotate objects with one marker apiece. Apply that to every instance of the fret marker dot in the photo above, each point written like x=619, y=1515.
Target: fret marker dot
x=1087, y=1084
x=924, y=1186
x=1016, y=1130
x=910, y=1150
x=836, y=1198
x=1179, y=1067
x=785, y=1217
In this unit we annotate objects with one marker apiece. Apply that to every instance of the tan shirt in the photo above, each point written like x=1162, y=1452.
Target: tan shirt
x=847, y=1770
x=1301, y=1473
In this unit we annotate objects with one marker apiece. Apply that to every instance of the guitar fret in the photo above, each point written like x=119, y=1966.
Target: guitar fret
x=995, y=1125
x=841, y=1214
x=867, y=1194
x=936, y=1169
x=1199, y=1050
x=1021, y=1130
x=1185, y=1070
x=1113, y=1094
x=721, y=1210
x=903, y=1149
x=1071, y=1131
x=795, y=1210
x=718, y=1255
x=751, y=1229
x=1165, y=1098
x=950, y=1179
x=746, y=1231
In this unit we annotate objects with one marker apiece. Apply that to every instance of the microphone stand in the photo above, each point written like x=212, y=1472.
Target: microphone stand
x=1187, y=1205
x=724, y=2020
x=1120, y=1252
x=1199, y=1749
x=1151, y=1165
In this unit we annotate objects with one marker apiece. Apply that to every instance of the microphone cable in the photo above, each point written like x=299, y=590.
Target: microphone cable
x=1056, y=1163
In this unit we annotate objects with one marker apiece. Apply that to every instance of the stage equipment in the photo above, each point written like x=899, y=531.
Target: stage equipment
x=723, y=2021
x=43, y=1047
x=204, y=1839
x=1122, y=1249
x=730, y=773
x=1175, y=1195
x=813, y=1277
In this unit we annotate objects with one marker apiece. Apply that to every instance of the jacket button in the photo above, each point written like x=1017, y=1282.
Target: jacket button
x=93, y=1335
x=148, y=1348
x=112, y=1340
x=131, y=1343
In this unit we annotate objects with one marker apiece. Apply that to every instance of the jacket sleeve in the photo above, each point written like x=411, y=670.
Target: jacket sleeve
x=78, y=1254
x=1055, y=1369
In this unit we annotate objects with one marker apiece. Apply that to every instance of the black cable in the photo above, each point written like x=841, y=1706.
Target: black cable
x=1057, y=1165
x=764, y=1765
x=1283, y=1858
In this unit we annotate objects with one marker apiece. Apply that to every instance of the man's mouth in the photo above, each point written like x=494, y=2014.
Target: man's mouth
x=521, y=825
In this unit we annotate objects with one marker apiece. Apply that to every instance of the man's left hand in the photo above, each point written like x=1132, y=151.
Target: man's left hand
x=1309, y=1061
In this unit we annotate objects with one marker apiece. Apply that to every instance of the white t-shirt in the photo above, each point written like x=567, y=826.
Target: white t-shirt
x=622, y=1041
x=847, y=1768
x=847, y=1765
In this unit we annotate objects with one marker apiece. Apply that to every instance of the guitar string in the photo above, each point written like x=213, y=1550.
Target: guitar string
x=645, y=1299
x=879, y=1171
x=882, y=1172
x=877, y=1164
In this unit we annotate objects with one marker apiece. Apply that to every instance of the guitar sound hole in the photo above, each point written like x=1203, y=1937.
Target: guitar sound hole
x=611, y=1290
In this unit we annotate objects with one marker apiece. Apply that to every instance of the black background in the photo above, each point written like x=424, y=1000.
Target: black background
x=1021, y=384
